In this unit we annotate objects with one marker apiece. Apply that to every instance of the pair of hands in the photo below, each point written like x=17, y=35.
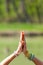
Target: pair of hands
x=22, y=44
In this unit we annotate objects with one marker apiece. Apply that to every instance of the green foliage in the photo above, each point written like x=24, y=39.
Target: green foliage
x=32, y=9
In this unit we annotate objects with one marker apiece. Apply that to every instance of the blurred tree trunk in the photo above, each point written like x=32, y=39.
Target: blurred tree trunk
x=38, y=13
x=8, y=5
x=26, y=17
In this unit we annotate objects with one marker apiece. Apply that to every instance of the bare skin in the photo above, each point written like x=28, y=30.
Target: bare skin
x=35, y=60
x=21, y=48
x=7, y=60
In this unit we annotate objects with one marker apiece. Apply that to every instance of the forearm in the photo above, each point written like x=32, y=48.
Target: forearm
x=7, y=60
x=33, y=59
x=37, y=61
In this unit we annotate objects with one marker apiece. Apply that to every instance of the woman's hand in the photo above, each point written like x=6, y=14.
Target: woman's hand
x=20, y=46
x=7, y=60
x=24, y=47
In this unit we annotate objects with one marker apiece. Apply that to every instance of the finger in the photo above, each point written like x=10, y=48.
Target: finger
x=19, y=48
x=22, y=38
x=23, y=43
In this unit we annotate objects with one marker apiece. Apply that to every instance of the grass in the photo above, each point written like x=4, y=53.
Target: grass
x=34, y=45
x=21, y=26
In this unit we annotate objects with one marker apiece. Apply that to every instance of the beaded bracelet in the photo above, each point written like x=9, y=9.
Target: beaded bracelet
x=31, y=57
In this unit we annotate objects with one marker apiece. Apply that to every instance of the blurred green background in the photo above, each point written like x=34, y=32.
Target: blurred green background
x=21, y=11
x=17, y=16
x=10, y=43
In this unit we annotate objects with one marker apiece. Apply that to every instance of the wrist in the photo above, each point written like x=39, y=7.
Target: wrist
x=29, y=56
x=26, y=53
x=16, y=53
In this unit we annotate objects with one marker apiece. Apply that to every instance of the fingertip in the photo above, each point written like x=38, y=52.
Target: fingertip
x=22, y=35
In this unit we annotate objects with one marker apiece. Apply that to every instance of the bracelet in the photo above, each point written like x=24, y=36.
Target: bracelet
x=16, y=53
x=31, y=57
